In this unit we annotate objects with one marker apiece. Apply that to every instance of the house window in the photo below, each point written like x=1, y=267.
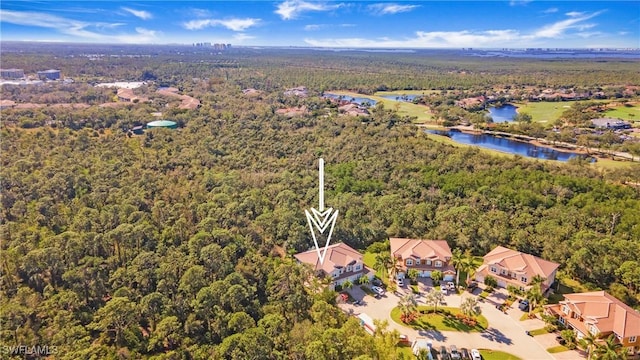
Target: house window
x=409, y=262
x=438, y=263
x=494, y=270
x=521, y=288
x=593, y=330
x=633, y=339
x=523, y=279
x=417, y=261
x=358, y=267
x=348, y=268
x=335, y=274
x=566, y=310
x=428, y=262
x=561, y=319
x=503, y=272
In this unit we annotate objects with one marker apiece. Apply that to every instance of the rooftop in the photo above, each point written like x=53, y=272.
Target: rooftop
x=337, y=256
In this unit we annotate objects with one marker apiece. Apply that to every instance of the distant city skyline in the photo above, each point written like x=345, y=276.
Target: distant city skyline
x=351, y=24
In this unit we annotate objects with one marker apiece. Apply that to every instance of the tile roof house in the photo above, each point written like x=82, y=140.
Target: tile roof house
x=341, y=263
x=422, y=255
x=511, y=267
x=600, y=314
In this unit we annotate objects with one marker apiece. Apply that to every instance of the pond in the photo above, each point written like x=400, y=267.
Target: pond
x=506, y=145
x=504, y=113
x=354, y=99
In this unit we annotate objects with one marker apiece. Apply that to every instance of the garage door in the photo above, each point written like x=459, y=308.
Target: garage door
x=480, y=278
x=425, y=273
x=502, y=283
x=448, y=277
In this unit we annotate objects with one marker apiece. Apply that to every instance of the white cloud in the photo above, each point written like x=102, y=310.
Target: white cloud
x=241, y=37
x=466, y=38
x=390, y=8
x=200, y=13
x=314, y=27
x=79, y=30
x=519, y=2
x=142, y=14
x=231, y=24
x=559, y=28
x=291, y=9
x=551, y=10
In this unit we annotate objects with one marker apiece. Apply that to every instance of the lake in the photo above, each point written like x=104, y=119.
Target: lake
x=353, y=99
x=506, y=145
x=503, y=113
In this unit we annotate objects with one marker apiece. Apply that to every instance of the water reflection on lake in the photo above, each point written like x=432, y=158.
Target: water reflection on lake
x=506, y=145
x=353, y=99
x=504, y=113
x=404, y=98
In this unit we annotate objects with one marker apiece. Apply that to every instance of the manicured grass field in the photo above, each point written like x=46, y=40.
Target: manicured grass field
x=537, y=332
x=497, y=355
x=440, y=321
x=405, y=351
x=543, y=111
x=557, y=349
x=406, y=92
x=421, y=112
x=624, y=112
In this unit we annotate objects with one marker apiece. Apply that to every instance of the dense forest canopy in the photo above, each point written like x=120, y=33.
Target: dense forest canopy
x=174, y=243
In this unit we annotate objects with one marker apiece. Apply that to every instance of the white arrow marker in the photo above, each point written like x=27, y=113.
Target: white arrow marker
x=321, y=219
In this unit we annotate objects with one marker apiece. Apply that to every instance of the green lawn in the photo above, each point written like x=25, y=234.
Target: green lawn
x=569, y=286
x=421, y=112
x=497, y=355
x=406, y=92
x=525, y=316
x=557, y=349
x=404, y=350
x=543, y=111
x=624, y=112
x=537, y=332
x=555, y=298
x=440, y=321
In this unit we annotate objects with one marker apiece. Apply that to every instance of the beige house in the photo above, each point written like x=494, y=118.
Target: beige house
x=423, y=255
x=341, y=263
x=511, y=267
x=600, y=314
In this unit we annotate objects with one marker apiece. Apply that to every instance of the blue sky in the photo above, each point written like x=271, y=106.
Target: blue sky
x=393, y=24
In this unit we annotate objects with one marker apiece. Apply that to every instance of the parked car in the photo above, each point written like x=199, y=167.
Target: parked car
x=464, y=353
x=561, y=340
x=524, y=305
x=400, y=282
x=472, y=286
x=451, y=286
x=444, y=355
x=444, y=290
x=404, y=339
x=475, y=354
x=376, y=282
x=378, y=290
x=455, y=355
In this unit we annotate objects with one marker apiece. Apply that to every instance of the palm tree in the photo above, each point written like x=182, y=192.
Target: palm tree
x=408, y=306
x=434, y=297
x=383, y=263
x=363, y=280
x=347, y=284
x=412, y=274
x=535, y=297
x=537, y=280
x=611, y=349
x=436, y=276
x=457, y=260
x=467, y=265
x=396, y=267
x=513, y=291
x=588, y=343
x=469, y=306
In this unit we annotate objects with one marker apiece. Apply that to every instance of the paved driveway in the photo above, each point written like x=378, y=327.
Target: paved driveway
x=505, y=332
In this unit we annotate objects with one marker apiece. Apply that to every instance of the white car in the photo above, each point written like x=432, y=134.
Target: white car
x=444, y=290
x=378, y=290
x=400, y=282
x=451, y=286
x=475, y=354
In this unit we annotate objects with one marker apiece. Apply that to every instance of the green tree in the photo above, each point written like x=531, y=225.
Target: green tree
x=412, y=274
x=457, y=260
x=115, y=317
x=469, y=306
x=408, y=307
x=383, y=263
x=490, y=281
x=434, y=298
x=588, y=343
x=610, y=349
x=436, y=276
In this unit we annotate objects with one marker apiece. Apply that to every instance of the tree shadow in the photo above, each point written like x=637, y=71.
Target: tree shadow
x=496, y=335
x=432, y=334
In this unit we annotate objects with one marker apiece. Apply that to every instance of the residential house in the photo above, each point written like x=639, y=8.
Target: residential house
x=341, y=263
x=423, y=255
x=610, y=123
x=49, y=74
x=600, y=314
x=511, y=267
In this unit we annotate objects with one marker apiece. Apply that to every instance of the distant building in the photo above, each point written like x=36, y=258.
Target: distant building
x=12, y=73
x=610, y=123
x=49, y=75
